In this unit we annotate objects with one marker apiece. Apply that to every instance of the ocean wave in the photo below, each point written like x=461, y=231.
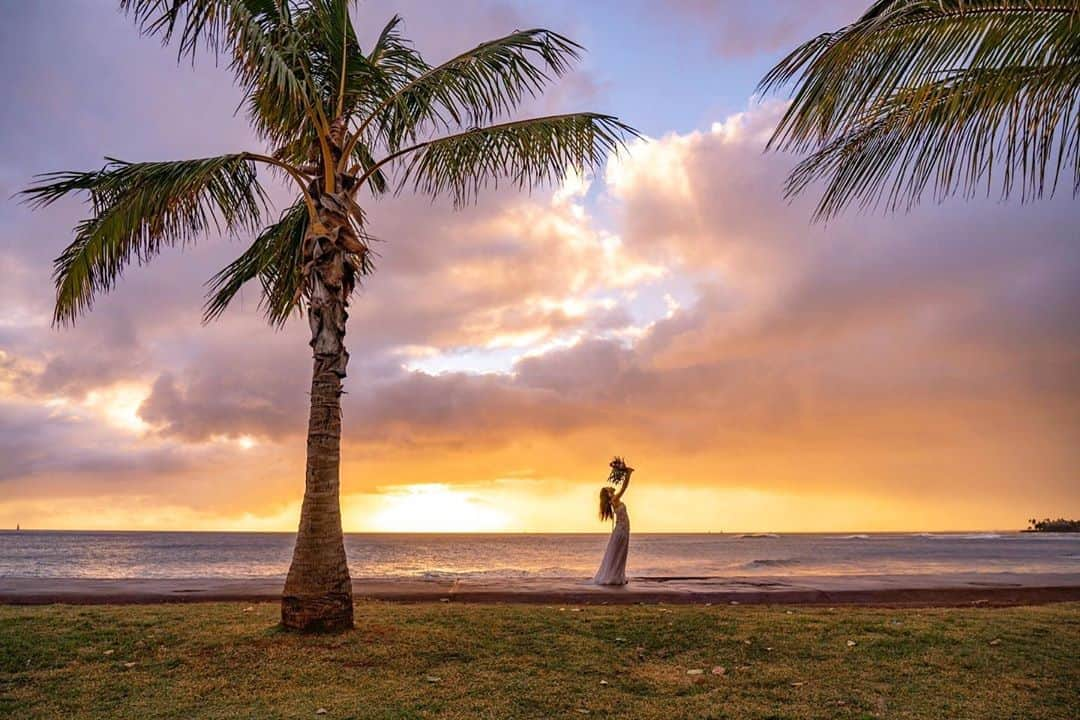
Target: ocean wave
x=960, y=536
x=500, y=573
x=749, y=536
x=477, y=573
x=858, y=536
x=772, y=562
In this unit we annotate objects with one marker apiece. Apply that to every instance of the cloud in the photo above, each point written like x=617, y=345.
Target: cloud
x=40, y=444
x=216, y=405
x=917, y=341
x=675, y=308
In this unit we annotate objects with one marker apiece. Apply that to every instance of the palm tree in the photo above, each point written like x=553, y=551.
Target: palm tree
x=957, y=96
x=341, y=122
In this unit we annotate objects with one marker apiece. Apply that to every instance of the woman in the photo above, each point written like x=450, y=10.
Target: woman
x=613, y=568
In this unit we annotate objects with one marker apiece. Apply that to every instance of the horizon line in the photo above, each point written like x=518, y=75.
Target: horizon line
x=527, y=532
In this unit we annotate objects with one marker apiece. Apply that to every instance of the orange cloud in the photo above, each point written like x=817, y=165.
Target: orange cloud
x=914, y=371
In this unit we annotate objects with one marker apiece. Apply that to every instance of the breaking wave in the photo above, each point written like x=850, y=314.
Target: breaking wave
x=960, y=536
x=772, y=562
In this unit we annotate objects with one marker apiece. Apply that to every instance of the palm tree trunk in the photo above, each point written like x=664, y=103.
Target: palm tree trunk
x=318, y=590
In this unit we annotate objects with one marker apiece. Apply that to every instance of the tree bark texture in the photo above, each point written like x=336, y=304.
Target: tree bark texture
x=318, y=589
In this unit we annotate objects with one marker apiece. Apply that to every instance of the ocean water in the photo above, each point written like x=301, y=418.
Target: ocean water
x=238, y=555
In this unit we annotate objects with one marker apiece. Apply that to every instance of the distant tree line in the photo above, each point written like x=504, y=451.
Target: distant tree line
x=1048, y=525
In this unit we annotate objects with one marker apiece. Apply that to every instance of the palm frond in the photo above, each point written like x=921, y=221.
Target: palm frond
x=333, y=52
x=199, y=22
x=473, y=88
x=139, y=208
x=272, y=61
x=375, y=177
x=526, y=152
x=918, y=51
x=276, y=259
x=901, y=43
x=269, y=55
x=351, y=80
x=394, y=55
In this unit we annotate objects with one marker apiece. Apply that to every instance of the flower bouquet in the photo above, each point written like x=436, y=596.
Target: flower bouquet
x=620, y=471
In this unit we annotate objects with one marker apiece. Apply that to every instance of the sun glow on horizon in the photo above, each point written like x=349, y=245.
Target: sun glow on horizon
x=435, y=507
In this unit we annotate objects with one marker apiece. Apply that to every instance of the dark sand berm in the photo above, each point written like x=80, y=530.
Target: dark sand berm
x=914, y=590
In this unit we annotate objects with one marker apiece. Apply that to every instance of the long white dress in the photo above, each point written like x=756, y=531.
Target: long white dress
x=613, y=568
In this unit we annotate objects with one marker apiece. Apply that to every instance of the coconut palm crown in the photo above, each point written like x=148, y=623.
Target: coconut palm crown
x=950, y=97
x=342, y=124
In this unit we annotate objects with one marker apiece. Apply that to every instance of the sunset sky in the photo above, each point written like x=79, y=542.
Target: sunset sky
x=916, y=371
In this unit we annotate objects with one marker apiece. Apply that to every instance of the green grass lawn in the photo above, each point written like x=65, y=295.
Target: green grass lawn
x=229, y=660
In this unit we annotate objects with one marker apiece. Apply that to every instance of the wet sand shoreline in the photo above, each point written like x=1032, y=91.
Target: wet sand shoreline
x=892, y=590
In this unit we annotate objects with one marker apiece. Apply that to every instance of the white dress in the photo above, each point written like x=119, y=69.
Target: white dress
x=613, y=568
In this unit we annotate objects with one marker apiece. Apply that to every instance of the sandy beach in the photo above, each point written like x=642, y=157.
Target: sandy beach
x=893, y=590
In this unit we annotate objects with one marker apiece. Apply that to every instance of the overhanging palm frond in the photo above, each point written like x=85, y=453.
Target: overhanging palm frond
x=527, y=153
x=900, y=43
x=1020, y=128
x=139, y=208
x=929, y=51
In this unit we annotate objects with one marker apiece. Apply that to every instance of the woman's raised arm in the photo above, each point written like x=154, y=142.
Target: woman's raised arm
x=625, y=484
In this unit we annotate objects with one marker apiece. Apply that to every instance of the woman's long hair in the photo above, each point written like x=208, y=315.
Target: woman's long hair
x=607, y=512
